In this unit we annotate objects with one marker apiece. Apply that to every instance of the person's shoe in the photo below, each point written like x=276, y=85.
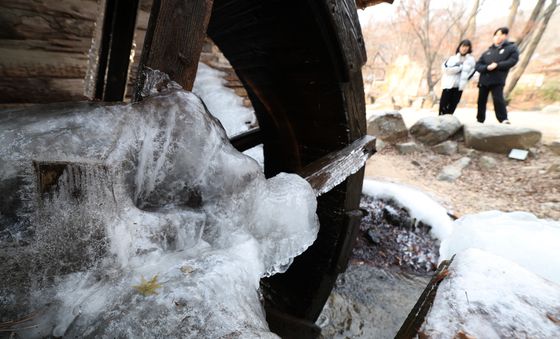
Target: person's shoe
x=506, y=122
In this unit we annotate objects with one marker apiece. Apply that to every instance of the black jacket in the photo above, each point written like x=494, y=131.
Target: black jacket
x=506, y=56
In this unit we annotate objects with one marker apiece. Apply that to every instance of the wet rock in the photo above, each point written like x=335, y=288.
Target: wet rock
x=374, y=237
x=447, y=148
x=397, y=218
x=388, y=126
x=434, y=130
x=409, y=148
x=487, y=162
x=389, y=237
x=452, y=172
x=500, y=138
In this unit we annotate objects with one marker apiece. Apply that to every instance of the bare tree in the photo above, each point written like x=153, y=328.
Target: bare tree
x=432, y=28
x=532, y=44
x=469, y=29
x=523, y=38
x=513, y=12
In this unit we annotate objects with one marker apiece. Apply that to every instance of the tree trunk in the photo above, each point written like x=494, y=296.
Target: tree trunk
x=532, y=45
x=470, y=28
x=513, y=13
x=529, y=28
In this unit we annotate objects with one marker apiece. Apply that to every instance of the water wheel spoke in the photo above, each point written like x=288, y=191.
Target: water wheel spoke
x=246, y=140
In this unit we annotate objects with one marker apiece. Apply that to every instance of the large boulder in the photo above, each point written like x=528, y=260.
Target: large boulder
x=388, y=126
x=500, y=138
x=434, y=130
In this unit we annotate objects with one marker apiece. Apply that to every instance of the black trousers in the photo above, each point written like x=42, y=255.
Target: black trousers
x=497, y=98
x=449, y=100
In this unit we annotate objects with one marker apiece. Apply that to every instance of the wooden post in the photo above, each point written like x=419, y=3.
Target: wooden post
x=174, y=39
x=361, y=4
x=114, y=51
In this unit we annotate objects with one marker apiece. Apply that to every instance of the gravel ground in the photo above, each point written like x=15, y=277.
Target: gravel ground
x=532, y=185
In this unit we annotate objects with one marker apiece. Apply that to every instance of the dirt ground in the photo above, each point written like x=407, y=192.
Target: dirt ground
x=531, y=185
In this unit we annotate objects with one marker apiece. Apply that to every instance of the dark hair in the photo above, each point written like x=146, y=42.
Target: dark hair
x=504, y=30
x=465, y=42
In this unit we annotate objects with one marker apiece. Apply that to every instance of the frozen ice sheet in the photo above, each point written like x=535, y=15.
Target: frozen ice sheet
x=153, y=226
x=486, y=296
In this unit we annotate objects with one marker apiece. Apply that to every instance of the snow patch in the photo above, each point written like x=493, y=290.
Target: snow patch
x=419, y=205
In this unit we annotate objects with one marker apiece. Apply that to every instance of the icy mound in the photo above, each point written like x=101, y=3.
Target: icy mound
x=518, y=236
x=419, y=205
x=486, y=296
x=140, y=221
x=222, y=101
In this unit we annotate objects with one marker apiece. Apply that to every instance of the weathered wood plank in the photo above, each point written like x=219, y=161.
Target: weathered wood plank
x=366, y=3
x=44, y=20
x=40, y=90
x=249, y=139
x=22, y=63
x=309, y=103
x=44, y=43
x=176, y=32
x=28, y=46
x=115, y=49
x=415, y=318
x=83, y=9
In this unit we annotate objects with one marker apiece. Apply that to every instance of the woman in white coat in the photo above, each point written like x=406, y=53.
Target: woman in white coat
x=458, y=69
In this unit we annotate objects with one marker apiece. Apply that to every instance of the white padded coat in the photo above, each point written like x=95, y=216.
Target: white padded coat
x=456, y=74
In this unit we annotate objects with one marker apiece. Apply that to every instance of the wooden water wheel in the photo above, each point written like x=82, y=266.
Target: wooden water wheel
x=300, y=63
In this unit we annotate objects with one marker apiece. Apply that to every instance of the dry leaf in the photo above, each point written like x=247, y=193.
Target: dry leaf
x=148, y=287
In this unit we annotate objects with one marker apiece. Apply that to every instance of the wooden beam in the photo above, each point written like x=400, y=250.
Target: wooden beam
x=114, y=51
x=332, y=169
x=417, y=315
x=173, y=43
x=249, y=139
x=361, y=4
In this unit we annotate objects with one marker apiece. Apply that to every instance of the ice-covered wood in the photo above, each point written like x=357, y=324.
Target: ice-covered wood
x=366, y=3
x=415, y=318
x=174, y=39
x=334, y=168
x=304, y=80
x=249, y=139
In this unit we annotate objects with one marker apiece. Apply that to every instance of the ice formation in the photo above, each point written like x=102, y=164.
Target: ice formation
x=504, y=281
x=486, y=296
x=98, y=201
x=222, y=102
x=518, y=236
x=418, y=204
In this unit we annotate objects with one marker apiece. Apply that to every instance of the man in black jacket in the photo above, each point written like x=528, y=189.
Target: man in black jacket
x=493, y=66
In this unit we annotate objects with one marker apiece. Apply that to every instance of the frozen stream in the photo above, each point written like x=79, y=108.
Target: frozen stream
x=139, y=221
